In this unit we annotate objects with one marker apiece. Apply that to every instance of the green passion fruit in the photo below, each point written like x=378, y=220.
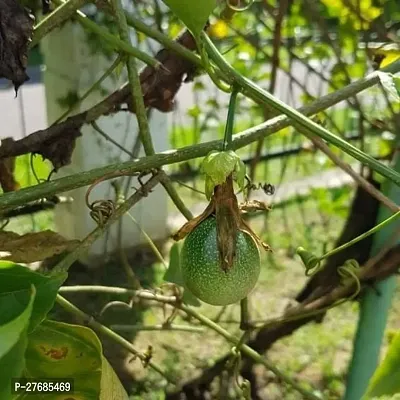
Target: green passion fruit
x=202, y=272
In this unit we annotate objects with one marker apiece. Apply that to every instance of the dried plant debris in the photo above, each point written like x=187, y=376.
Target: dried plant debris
x=59, y=150
x=7, y=166
x=160, y=85
x=32, y=247
x=55, y=144
x=16, y=28
x=7, y=180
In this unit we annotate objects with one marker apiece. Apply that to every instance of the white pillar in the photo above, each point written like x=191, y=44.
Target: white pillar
x=71, y=67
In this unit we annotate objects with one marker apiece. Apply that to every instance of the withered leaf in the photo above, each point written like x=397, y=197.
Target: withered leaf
x=7, y=166
x=16, y=28
x=34, y=246
x=59, y=150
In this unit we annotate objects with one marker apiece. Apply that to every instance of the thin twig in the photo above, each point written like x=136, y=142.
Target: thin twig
x=160, y=327
x=174, y=196
x=83, y=247
x=111, y=140
x=140, y=109
x=134, y=81
x=55, y=19
x=361, y=181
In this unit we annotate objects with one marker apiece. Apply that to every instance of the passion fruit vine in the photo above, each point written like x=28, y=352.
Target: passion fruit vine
x=201, y=267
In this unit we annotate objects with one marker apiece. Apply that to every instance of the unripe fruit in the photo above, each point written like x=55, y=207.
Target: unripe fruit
x=202, y=272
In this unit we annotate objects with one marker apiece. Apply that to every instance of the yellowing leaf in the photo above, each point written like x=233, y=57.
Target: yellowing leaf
x=34, y=246
x=110, y=386
x=60, y=350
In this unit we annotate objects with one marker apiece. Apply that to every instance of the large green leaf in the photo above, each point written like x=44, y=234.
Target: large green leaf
x=15, y=283
x=59, y=350
x=194, y=14
x=13, y=342
x=386, y=380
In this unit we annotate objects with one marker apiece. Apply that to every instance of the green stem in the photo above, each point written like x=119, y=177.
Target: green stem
x=149, y=241
x=163, y=39
x=134, y=81
x=64, y=303
x=112, y=40
x=266, y=98
x=230, y=119
x=244, y=314
x=140, y=109
x=94, y=87
x=361, y=237
x=361, y=181
x=209, y=68
x=12, y=199
x=55, y=19
x=174, y=196
x=118, y=291
x=111, y=140
x=136, y=328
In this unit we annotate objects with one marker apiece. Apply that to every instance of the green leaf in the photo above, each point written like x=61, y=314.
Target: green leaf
x=15, y=284
x=240, y=174
x=389, y=84
x=218, y=165
x=111, y=387
x=13, y=343
x=174, y=275
x=59, y=350
x=194, y=14
x=209, y=187
x=386, y=379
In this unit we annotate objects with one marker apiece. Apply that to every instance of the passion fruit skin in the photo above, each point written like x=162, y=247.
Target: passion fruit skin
x=203, y=274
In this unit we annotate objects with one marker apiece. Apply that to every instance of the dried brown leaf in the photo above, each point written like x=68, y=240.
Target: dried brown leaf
x=7, y=167
x=16, y=28
x=59, y=150
x=34, y=246
x=253, y=205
